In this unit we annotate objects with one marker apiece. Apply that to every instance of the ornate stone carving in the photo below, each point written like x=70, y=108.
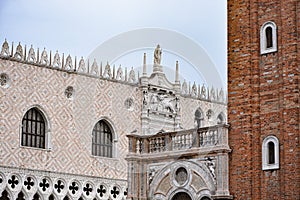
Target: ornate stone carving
x=212, y=94
x=81, y=67
x=69, y=92
x=56, y=60
x=203, y=92
x=211, y=165
x=119, y=74
x=107, y=72
x=194, y=90
x=184, y=89
x=68, y=65
x=129, y=104
x=221, y=95
x=5, y=49
x=162, y=103
x=44, y=57
x=95, y=68
x=181, y=175
x=31, y=55
x=4, y=79
x=19, y=52
x=157, y=55
x=131, y=78
x=209, y=114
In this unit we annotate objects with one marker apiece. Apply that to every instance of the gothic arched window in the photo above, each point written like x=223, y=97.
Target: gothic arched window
x=268, y=38
x=102, y=142
x=270, y=153
x=198, y=117
x=34, y=129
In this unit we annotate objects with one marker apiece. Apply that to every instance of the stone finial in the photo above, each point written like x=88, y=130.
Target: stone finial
x=44, y=57
x=221, y=95
x=5, y=49
x=177, y=73
x=212, y=94
x=68, y=65
x=19, y=52
x=95, y=67
x=194, y=90
x=184, y=89
x=81, y=65
x=131, y=78
x=56, y=60
x=31, y=55
x=119, y=74
x=107, y=72
x=203, y=91
x=114, y=72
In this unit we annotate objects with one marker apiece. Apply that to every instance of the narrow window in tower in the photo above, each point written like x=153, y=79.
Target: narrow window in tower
x=269, y=38
x=271, y=153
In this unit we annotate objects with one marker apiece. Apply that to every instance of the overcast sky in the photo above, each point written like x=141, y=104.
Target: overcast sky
x=78, y=27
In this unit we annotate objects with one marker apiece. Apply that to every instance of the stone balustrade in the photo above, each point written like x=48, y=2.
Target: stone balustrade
x=205, y=137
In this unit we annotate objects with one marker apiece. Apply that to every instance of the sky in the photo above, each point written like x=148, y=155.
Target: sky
x=78, y=27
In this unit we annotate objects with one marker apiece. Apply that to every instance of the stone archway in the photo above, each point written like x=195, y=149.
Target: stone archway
x=181, y=196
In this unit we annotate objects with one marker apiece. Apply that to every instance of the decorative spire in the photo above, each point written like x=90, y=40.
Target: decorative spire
x=177, y=73
x=144, y=66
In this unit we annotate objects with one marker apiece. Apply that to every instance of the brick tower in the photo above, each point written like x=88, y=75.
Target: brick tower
x=263, y=98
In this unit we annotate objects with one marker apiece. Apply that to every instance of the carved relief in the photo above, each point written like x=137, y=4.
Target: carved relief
x=162, y=103
x=4, y=79
x=69, y=92
x=211, y=165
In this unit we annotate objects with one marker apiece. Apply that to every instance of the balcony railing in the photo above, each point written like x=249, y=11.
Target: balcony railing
x=212, y=136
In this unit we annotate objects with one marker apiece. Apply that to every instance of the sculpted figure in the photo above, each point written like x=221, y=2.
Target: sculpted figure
x=31, y=55
x=19, y=52
x=5, y=49
x=157, y=55
x=44, y=57
x=56, y=60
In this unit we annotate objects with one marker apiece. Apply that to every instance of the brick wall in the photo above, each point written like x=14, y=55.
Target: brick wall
x=263, y=99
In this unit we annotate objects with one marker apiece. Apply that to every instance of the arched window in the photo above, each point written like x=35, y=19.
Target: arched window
x=221, y=119
x=102, y=144
x=198, y=117
x=34, y=129
x=268, y=38
x=270, y=153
